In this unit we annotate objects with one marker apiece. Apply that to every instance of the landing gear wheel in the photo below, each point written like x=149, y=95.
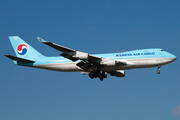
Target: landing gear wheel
x=91, y=75
x=158, y=72
x=101, y=79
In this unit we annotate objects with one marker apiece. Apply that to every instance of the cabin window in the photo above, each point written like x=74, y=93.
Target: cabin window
x=162, y=50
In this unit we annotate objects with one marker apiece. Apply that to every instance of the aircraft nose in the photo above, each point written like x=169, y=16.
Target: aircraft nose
x=174, y=58
x=171, y=57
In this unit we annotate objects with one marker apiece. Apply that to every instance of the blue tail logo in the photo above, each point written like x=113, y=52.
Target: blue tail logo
x=22, y=49
x=40, y=39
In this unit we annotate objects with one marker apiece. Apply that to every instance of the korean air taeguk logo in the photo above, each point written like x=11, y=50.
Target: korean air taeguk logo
x=22, y=49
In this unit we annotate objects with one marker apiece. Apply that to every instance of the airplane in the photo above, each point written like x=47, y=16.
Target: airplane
x=95, y=65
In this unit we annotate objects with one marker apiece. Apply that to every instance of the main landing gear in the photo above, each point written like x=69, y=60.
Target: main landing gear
x=158, y=71
x=97, y=73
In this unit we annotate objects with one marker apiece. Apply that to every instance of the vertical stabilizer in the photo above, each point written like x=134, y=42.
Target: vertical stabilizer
x=23, y=49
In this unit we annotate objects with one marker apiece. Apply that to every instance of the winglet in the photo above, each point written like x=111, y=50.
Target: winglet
x=41, y=40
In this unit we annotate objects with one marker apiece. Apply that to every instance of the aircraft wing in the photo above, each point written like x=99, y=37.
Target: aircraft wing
x=57, y=47
x=70, y=53
x=88, y=61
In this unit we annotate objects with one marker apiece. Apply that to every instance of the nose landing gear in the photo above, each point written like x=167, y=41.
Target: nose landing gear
x=158, y=71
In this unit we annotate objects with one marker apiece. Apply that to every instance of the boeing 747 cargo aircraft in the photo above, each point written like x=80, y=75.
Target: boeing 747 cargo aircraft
x=95, y=65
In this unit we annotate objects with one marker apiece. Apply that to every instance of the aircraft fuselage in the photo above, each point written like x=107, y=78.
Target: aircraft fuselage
x=134, y=59
x=96, y=65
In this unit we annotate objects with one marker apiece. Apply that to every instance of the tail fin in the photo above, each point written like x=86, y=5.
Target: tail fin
x=22, y=49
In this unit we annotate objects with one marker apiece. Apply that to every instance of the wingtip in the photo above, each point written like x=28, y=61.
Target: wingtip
x=41, y=40
x=6, y=55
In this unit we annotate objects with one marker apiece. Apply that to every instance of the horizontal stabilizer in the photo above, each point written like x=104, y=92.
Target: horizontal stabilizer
x=22, y=60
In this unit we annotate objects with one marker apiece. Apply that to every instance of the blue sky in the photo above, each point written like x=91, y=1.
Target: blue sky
x=93, y=26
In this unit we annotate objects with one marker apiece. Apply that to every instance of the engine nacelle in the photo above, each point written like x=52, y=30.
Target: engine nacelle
x=82, y=56
x=108, y=63
x=118, y=73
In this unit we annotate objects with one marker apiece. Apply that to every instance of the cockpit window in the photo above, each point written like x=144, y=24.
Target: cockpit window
x=162, y=50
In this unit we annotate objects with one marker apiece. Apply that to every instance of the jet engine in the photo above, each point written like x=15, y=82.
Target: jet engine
x=82, y=56
x=109, y=63
x=118, y=73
